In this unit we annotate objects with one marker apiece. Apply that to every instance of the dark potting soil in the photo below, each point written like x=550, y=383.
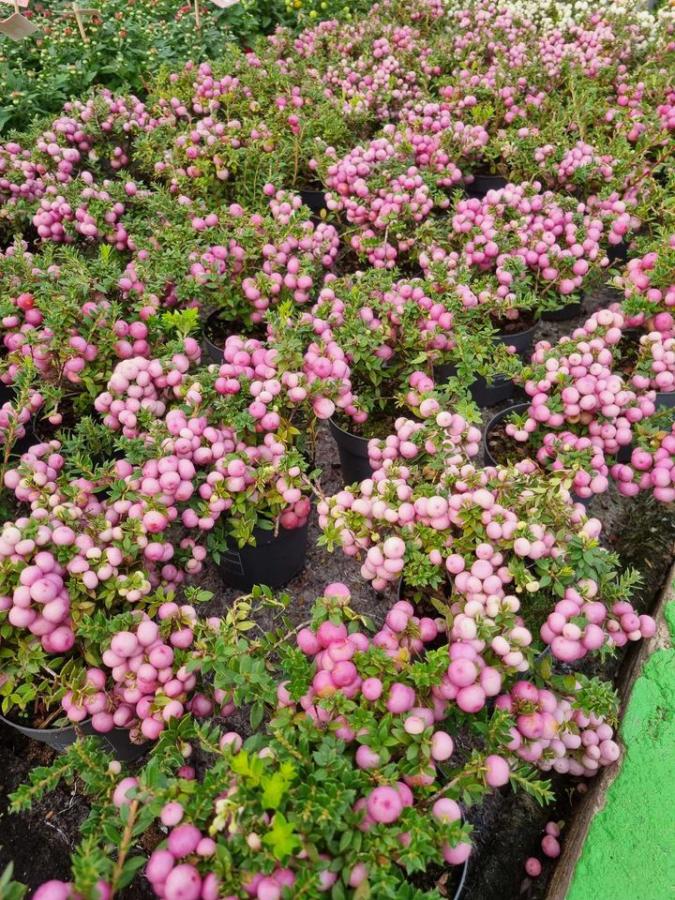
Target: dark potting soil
x=524, y=322
x=217, y=330
x=504, y=449
x=507, y=827
x=377, y=426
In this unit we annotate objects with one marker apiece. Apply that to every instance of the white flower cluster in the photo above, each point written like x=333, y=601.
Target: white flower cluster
x=561, y=14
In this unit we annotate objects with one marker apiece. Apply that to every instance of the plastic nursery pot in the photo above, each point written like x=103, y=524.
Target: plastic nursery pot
x=481, y=184
x=665, y=400
x=617, y=252
x=353, y=451
x=315, y=200
x=274, y=560
x=521, y=340
x=493, y=424
x=116, y=741
x=564, y=314
x=483, y=393
x=212, y=352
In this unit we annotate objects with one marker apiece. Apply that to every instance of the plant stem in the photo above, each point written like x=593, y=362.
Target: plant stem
x=124, y=847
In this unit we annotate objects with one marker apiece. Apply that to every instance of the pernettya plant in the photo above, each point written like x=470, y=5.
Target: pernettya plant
x=363, y=725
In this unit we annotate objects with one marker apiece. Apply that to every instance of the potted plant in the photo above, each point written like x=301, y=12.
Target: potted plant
x=248, y=460
x=225, y=129
x=387, y=188
x=552, y=241
x=361, y=724
x=648, y=465
x=87, y=547
x=579, y=402
x=390, y=330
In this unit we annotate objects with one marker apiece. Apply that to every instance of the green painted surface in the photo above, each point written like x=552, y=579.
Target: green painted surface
x=630, y=850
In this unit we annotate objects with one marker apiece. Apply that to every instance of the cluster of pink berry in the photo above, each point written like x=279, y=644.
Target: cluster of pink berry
x=398, y=319
x=463, y=140
x=92, y=213
x=405, y=633
x=169, y=872
x=396, y=511
x=449, y=435
x=595, y=169
x=579, y=624
x=377, y=72
x=286, y=259
x=151, y=685
x=69, y=357
x=640, y=278
x=73, y=138
x=655, y=365
x=39, y=601
x=652, y=463
x=211, y=126
x=139, y=385
x=556, y=238
x=334, y=650
x=254, y=368
x=551, y=733
x=36, y=480
x=13, y=421
x=388, y=188
x=202, y=471
x=617, y=212
x=469, y=681
x=78, y=538
x=493, y=627
x=575, y=384
x=564, y=452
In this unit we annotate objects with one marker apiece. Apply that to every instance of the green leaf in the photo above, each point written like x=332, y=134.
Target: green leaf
x=281, y=838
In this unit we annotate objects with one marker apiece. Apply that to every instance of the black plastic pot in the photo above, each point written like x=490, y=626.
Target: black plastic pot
x=274, y=560
x=353, y=452
x=625, y=453
x=665, y=400
x=115, y=741
x=481, y=184
x=521, y=340
x=494, y=422
x=483, y=393
x=617, y=252
x=212, y=352
x=315, y=200
x=564, y=314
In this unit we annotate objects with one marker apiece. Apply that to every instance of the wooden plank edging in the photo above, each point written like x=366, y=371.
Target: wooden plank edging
x=594, y=800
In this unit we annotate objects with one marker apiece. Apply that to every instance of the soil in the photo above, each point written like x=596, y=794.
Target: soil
x=524, y=322
x=507, y=827
x=217, y=330
x=379, y=425
x=503, y=448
